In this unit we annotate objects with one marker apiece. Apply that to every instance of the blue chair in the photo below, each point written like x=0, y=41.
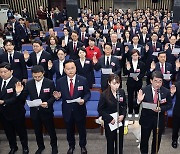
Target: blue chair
x=56, y=29
x=97, y=74
x=92, y=104
x=60, y=34
x=27, y=47
x=57, y=109
x=97, y=83
x=27, y=115
x=170, y=112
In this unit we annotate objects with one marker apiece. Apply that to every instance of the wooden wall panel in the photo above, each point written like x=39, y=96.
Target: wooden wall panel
x=31, y=5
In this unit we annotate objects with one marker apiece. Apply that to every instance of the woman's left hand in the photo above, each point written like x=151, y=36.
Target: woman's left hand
x=121, y=117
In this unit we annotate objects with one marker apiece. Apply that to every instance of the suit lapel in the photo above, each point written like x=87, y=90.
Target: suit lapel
x=34, y=87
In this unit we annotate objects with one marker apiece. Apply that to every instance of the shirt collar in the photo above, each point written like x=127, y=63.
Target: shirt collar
x=39, y=82
x=74, y=77
x=7, y=81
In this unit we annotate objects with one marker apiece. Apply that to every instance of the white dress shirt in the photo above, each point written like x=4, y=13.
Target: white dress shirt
x=38, y=56
x=12, y=55
x=82, y=62
x=7, y=81
x=39, y=85
x=73, y=81
x=61, y=67
x=134, y=63
x=106, y=59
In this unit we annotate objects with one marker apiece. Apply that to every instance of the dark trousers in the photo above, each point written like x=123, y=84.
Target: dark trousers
x=81, y=127
x=48, y=122
x=11, y=127
x=145, y=134
x=111, y=137
x=176, y=127
x=132, y=95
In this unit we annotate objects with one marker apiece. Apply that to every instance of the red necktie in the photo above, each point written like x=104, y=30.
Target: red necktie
x=155, y=96
x=74, y=48
x=162, y=68
x=154, y=47
x=71, y=87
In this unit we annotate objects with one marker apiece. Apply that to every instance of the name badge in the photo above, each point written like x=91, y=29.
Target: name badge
x=87, y=62
x=163, y=101
x=158, y=49
x=80, y=88
x=16, y=60
x=10, y=90
x=43, y=60
x=118, y=49
x=121, y=99
x=47, y=90
x=113, y=64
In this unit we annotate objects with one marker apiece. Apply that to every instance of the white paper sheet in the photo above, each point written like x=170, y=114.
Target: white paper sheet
x=106, y=70
x=115, y=126
x=134, y=75
x=139, y=49
x=105, y=31
x=149, y=105
x=155, y=54
x=34, y=103
x=127, y=44
x=167, y=76
x=77, y=100
x=91, y=31
x=176, y=51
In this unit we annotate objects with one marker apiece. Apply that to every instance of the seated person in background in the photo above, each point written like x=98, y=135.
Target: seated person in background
x=85, y=66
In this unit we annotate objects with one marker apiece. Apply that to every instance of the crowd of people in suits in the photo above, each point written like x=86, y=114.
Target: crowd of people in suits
x=133, y=43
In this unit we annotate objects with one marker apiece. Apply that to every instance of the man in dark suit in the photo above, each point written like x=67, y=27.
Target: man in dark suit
x=73, y=87
x=107, y=63
x=164, y=67
x=16, y=60
x=56, y=67
x=175, y=91
x=73, y=46
x=149, y=117
x=83, y=35
x=134, y=29
x=105, y=28
x=66, y=38
x=22, y=35
x=41, y=88
x=38, y=57
x=12, y=112
x=144, y=37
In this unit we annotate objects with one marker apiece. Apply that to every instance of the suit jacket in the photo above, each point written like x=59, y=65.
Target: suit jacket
x=70, y=51
x=21, y=32
x=148, y=116
x=86, y=39
x=55, y=69
x=177, y=102
x=168, y=70
x=147, y=39
x=53, y=53
x=148, y=57
x=46, y=95
x=18, y=65
x=80, y=90
x=43, y=61
x=119, y=50
x=87, y=71
x=12, y=107
x=140, y=70
x=108, y=106
x=114, y=64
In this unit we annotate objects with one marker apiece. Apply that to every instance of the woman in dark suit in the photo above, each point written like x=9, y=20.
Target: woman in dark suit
x=135, y=69
x=53, y=47
x=84, y=67
x=108, y=105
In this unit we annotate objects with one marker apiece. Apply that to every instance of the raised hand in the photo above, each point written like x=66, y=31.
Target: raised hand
x=50, y=64
x=26, y=55
x=177, y=63
x=19, y=87
x=95, y=60
x=166, y=46
x=126, y=49
x=140, y=95
x=153, y=65
x=147, y=48
x=173, y=89
x=128, y=65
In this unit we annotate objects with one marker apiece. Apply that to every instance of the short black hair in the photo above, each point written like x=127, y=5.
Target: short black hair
x=37, y=41
x=62, y=49
x=156, y=74
x=82, y=49
x=8, y=41
x=69, y=61
x=92, y=39
x=6, y=65
x=108, y=43
x=161, y=52
x=37, y=69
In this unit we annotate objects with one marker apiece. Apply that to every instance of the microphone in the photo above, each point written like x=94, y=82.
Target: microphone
x=118, y=94
x=159, y=94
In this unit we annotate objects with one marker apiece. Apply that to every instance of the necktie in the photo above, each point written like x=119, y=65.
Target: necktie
x=114, y=48
x=162, y=68
x=10, y=58
x=154, y=47
x=155, y=96
x=82, y=36
x=172, y=47
x=4, y=86
x=71, y=87
x=107, y=62
x=74, y=48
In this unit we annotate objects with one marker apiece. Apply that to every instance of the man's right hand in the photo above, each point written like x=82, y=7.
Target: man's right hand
x=140, y=96
x=19, y=87
x=26, y=55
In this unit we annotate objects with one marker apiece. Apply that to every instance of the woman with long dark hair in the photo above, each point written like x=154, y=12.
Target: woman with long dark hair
x=108, y=105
